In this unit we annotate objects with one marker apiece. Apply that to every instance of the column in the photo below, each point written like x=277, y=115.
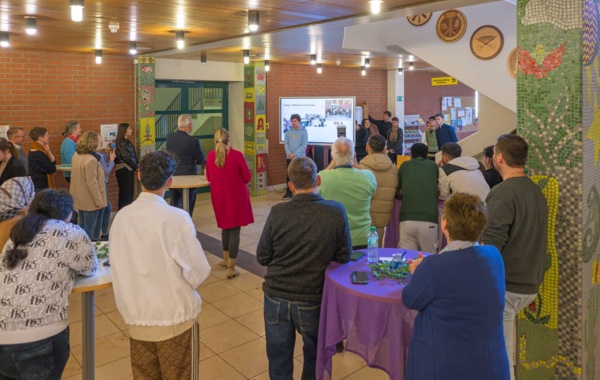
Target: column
x=255, y=136
x=558, y=115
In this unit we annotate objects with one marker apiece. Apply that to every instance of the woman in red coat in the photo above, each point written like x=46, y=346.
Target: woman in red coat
x=228, y=174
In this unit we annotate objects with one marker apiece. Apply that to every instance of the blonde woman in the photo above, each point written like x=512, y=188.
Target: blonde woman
x=228, y=174
x=87, y=182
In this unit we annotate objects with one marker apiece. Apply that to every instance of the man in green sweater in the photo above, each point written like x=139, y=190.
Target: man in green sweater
x=517, y=226
x=417, y=181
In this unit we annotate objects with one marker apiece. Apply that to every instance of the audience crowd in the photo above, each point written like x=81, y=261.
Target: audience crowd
x=494, y=223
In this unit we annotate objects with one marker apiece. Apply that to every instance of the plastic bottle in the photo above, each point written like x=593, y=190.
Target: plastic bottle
x=373, y=246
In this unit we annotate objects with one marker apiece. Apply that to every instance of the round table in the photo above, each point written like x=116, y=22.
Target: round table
x=372, y=318
x=87, y=285
x=187, y=182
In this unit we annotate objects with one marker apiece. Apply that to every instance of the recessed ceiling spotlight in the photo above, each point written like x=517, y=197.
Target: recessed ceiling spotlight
x=76, y=10
x=253, y=21
x=180, y=38
x=132, y=48
x=375, y=6
x=98, y=56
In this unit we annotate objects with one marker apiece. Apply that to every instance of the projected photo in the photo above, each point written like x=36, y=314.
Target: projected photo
x=325, y=119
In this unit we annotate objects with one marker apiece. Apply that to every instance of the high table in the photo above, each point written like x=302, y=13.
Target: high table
x=372, y=318
x=64, y=168
x=187, y=182
x=87, y=285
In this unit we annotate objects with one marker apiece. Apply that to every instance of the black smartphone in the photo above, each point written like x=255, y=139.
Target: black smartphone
x=359, y=277
x=356, y=255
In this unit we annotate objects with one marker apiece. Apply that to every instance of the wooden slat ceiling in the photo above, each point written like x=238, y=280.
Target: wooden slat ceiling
x=151, y=23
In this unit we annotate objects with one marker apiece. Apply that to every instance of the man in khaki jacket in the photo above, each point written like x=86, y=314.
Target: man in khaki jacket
x=386, y=174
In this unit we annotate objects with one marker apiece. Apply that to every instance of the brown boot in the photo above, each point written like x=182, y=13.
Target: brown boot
x=231, y=272
x=223, y=262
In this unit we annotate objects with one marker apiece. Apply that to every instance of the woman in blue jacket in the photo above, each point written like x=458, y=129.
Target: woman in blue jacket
x=459, y=294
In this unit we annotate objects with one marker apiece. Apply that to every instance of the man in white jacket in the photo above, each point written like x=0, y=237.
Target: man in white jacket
x=460, y=174
x=157, y=264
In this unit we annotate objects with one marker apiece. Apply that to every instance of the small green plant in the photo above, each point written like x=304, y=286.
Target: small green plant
x=386, y=270
x=101, y=249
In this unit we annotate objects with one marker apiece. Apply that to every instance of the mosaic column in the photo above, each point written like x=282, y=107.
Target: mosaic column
x=145, y=82
x=255, y=136
x=558, y=115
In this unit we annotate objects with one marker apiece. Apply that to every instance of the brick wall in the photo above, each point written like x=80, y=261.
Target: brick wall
x=303, y=80
x=424, y=99
x=43, y=89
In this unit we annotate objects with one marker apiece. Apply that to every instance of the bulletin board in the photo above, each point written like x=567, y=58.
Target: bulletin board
x=459, y=111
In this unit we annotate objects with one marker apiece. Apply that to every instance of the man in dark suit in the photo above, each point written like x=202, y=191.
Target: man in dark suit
x=188, y=151
x=444, y=132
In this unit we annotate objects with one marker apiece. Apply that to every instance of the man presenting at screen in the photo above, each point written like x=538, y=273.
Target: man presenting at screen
x=294, y=142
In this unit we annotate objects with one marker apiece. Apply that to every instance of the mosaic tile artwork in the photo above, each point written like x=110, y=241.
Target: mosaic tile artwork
x=551, y=36
x=565, y=14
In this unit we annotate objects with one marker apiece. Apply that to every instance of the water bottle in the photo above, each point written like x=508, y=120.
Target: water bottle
x=373, y=246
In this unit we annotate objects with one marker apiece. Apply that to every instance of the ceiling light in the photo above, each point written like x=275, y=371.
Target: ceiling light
x=400, y=71
x=411, y=58
x=246, y=57
x=319, y=68
x=4, y=40
x=375, y=6
x=179, y=37
x=400, y=62
x=363, y=70
x=411, y=66
x=253, y=21
x=203, y=58
x=132, y=48
x=98, y=56
x=313, y=59
x=267, y=65
x=76, y=10
x=30, y=25
x=367, y=62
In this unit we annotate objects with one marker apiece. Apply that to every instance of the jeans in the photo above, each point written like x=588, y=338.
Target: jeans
x=514, y=303
x=282, y=319
x=177, y=199
x=88, y=220
x=230, y=237
x=102, y=227
x=44, y=359
x=125, y=181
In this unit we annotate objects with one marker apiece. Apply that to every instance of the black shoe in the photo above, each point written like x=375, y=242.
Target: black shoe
x=104, y=237
x=339, y=347
x=286, y=197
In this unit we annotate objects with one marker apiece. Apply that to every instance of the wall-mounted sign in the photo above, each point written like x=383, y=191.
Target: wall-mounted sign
x=443, y=81
x=421, y=19
x=451, y=26
x=511, y=63
x=487, y=42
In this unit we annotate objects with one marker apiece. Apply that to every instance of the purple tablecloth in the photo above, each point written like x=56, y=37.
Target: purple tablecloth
x=392, y=230
x=372, y=318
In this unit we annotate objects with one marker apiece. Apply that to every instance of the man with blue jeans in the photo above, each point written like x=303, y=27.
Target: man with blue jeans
x=517, y=226
x=296, y=252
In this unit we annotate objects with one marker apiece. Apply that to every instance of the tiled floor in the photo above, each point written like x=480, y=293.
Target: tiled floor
x=232, y=332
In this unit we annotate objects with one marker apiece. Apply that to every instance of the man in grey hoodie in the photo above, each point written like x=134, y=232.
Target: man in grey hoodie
x=460, y=174
x=386, y=175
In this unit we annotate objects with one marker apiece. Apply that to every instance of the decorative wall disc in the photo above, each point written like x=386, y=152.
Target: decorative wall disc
x=511, y=63
x=418, y=20
x=487, y=42
x=451, y=26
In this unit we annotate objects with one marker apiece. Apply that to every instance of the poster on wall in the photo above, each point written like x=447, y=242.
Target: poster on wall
x=3, y=130
x=325, y=119
x=108, y=133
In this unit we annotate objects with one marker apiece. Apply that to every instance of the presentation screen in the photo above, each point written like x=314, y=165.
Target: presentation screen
x=325, y=119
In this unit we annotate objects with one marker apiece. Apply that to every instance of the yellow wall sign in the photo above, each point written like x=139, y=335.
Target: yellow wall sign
x=443, y=81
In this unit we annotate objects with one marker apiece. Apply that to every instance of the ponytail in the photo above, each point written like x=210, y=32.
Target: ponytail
x=221, y=141
x=23, y=233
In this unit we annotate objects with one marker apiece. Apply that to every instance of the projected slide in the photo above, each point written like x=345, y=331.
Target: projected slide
x=325, y=119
